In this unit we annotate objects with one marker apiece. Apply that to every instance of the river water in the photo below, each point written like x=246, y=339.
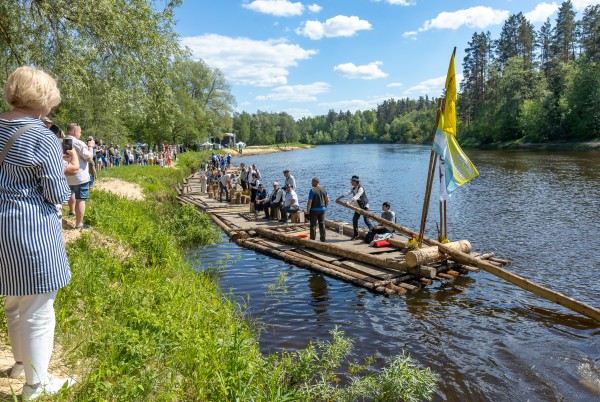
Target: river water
x=486, y=339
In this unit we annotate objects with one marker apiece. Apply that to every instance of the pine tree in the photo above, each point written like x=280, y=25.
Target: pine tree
x=564, y=38
x=589, y=28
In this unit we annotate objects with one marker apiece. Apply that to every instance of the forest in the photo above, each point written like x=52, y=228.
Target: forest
x=527, y=85
x=124, y=78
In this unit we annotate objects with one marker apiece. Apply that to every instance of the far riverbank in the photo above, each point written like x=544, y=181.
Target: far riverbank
x=558, y=146
x=268, y=149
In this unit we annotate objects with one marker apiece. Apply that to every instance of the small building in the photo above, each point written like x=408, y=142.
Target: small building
x=229, y=140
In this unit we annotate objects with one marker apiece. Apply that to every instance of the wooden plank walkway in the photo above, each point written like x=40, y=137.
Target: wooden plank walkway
x=382, y=270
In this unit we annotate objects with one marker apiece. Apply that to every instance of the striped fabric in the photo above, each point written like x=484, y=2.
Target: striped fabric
x=32, y=181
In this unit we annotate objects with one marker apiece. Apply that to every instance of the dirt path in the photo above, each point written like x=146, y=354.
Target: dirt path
x=120, y=187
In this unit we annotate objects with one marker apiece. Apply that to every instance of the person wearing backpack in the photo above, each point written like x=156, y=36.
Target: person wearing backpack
x=360, y=197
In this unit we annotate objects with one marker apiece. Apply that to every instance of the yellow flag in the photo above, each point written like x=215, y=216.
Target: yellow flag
x=458, y=168
x=449, y=120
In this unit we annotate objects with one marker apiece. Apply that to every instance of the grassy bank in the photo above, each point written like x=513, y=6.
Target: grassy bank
x=138, y=323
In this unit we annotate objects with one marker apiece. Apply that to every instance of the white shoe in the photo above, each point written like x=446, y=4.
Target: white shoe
x=17, y=371
x=51, y=386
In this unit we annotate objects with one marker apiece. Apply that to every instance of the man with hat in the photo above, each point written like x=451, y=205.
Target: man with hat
x=360, y=197
x=261, y=198
x=290, y=203
x=318, y=201
x=273, y=202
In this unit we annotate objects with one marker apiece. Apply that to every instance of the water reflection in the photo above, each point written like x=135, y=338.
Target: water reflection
x=319, y=293
x=487, y=339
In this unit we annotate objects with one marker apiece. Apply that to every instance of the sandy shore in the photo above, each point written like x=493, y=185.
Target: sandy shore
x=267, y=149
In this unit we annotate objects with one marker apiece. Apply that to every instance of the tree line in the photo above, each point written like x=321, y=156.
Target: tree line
x=528, y=85
x=401, y=121
x=124, y=77
x=122, y=74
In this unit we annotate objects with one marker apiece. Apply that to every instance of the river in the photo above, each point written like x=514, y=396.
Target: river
x=486, y=339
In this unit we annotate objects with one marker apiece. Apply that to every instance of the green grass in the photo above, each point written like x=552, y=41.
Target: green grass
x=137, y=323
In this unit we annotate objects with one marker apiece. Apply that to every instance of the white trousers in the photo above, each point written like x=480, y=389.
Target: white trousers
x=31, y=323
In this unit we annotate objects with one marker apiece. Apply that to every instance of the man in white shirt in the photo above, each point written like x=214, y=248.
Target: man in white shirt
x=80, y=181
x=290, y=203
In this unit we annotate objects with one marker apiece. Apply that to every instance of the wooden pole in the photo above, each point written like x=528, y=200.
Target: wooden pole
x=430, y=177
x=556, y=297
x=445, y=222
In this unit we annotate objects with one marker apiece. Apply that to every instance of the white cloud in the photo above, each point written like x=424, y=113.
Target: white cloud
x=369, y=71
x=352, y=105
x=339, y=25
x=298, y=113
x=395, y=85
x=315, y=8
x=399, y=2
x=246, y=61
x=296, y=93
x=278, y=8
x=358, y=104
x=541, y=12
x=581, y=4
x=475, y=17
x=433, y=86
x=410, y=35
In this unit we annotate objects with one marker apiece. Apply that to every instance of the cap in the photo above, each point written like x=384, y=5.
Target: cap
x=355, y=178
x=275, y=183
x=47, y=120
x=316, y=179
x=260, y=185
x=288, y=186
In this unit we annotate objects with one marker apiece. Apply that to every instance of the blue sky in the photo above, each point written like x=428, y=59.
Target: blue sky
x=305, y=58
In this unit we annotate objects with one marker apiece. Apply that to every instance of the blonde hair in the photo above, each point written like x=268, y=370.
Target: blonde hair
x=32, y=88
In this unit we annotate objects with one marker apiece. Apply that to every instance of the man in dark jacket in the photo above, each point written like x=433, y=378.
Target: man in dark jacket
x=318, y=201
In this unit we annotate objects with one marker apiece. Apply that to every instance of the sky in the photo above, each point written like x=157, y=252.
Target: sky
x=305, y=58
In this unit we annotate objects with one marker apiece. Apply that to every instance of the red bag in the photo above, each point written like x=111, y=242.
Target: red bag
x=381, y=243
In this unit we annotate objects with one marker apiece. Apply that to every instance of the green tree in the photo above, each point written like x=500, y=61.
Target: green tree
x=564, y=38
x=111, y=57
x=583, y=98
x=589, y=27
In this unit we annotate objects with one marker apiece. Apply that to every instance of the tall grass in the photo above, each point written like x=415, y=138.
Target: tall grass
x=138, y=323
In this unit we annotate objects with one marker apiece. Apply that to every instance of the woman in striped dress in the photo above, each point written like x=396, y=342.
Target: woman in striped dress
x=33, y=262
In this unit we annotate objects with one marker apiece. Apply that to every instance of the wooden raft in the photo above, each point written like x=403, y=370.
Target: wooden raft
x=388, y=270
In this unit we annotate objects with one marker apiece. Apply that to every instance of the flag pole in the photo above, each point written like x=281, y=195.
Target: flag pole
x=431, y=173
x=430, y=177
